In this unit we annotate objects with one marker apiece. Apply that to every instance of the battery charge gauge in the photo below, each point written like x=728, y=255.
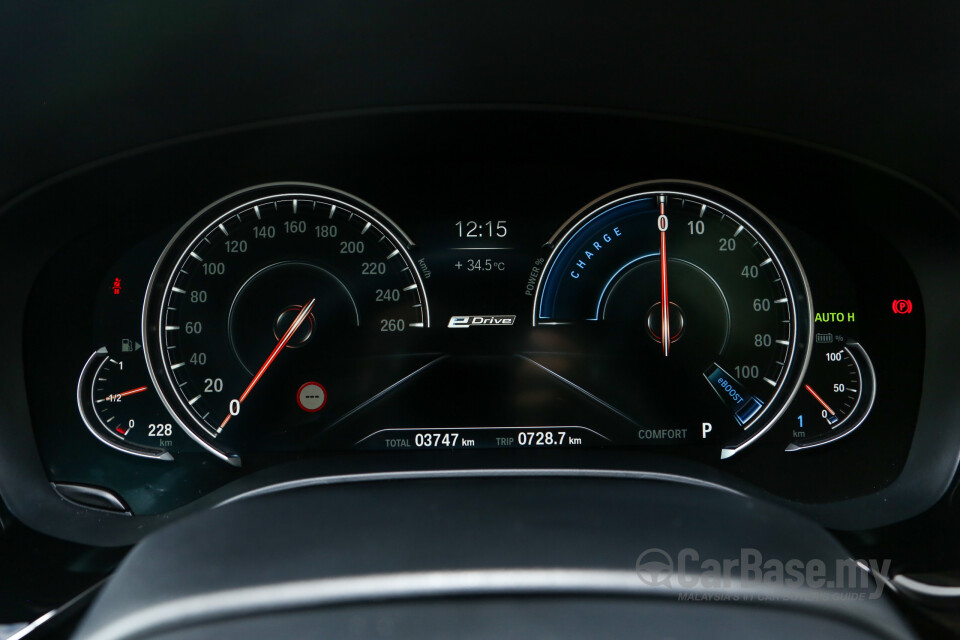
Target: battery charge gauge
x=120, y=407
x=836, y=395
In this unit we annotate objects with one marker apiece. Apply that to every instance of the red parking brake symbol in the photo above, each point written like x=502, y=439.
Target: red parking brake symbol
x=902, y=306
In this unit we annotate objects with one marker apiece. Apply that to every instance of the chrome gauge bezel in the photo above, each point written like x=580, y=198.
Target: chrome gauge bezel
x=859, y=413
x=86, y=401
x=177, y=252
x=775, y=244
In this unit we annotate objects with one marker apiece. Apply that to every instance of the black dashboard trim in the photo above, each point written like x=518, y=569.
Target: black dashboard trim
x=291, y=485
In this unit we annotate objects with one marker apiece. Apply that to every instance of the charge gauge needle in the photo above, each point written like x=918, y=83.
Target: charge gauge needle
x=833, y=416
x=664, y=298
x=235, y=408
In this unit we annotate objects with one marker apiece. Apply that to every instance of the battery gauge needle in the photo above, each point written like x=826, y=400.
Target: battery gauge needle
x=304, y=312
x=664, y=298
x=833, y=415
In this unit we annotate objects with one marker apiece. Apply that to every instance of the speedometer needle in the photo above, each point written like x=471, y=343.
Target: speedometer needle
x=664, y=298
x=234, y=409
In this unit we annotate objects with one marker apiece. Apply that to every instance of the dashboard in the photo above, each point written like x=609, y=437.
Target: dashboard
x=472, y=308
x=488, y=296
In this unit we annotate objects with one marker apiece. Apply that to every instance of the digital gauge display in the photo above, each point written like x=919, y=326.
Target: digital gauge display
x=279, y=312
x=273, y=304
x=563, y=304
x=696, y=296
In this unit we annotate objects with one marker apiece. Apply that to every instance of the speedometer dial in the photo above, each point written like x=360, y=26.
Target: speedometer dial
x=262, y=307
x=699, y=303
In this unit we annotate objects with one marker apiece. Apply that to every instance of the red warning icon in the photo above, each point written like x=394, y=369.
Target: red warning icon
x=902, y=306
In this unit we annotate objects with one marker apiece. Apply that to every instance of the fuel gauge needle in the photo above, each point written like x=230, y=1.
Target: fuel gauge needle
x=116, y=396
x=304, y=312
x=833, y=415
x=664, y=298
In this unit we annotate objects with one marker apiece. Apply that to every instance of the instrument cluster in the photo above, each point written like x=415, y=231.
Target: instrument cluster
x=464, y=305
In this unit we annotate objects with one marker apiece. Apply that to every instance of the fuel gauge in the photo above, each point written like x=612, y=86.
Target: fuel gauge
x=836, y=396
x=120, y=407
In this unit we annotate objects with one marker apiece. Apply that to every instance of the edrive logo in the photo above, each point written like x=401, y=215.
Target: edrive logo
x=463, y=322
